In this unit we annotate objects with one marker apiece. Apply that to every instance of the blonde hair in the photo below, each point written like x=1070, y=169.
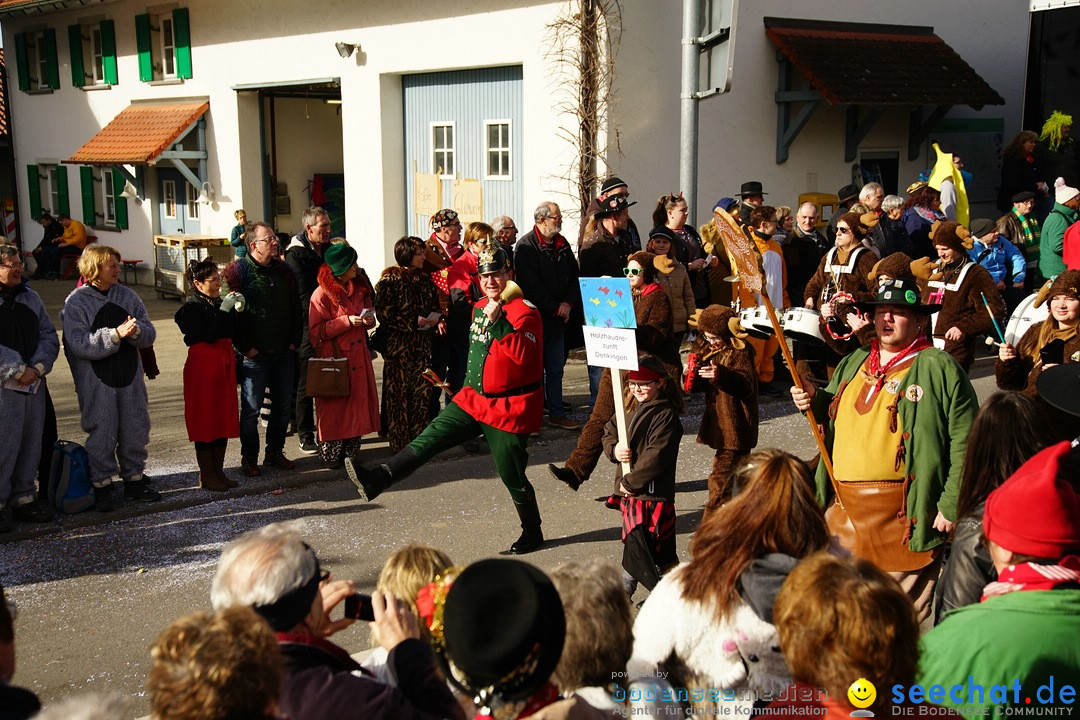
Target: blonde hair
x=93, y=258
x=239, y=214
x=407, y=571
x=477, y=230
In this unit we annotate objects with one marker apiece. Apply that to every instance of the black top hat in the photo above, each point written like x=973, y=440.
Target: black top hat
x=492, y=259
x=751, y=188
x=901, y=293
x=612, y=205
x=503, y=629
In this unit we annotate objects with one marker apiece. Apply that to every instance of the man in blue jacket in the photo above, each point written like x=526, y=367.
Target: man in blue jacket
x=1002, y=259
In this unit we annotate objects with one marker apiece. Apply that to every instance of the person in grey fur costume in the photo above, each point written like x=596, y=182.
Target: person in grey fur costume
x=104, y=325
x=28, y=349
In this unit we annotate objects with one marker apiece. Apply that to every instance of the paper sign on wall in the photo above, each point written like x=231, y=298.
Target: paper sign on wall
x=468, y=200
x=427, y=193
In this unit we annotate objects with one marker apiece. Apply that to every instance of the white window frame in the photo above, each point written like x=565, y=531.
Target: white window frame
x=167, y=46
x=168, y=198
x=36, y=61
x=192, y=203
x=508, y=149
x=449, y=151
x=97, y=56
x=50, y=190
x=103, y=177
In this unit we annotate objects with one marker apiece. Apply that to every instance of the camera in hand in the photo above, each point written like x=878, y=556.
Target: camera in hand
x=358, y=607
x=1053, y=352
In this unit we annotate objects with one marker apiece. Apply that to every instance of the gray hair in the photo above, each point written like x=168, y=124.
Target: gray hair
x=543, y=211
x=249, y=234
x=810, y=204
x=869, y=189
x=500, y=222
x=311, y=215
x=7, y=251
x=261, y=566
x=892, y=202
x=91, y=706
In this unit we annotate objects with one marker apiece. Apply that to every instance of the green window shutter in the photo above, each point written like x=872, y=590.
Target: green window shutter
x=142, y=45
x=33, y=189
x=21, y=64
x=62, y=190
x=86, y=180
x=121, y=202
x=51, y=63
x=182, y=38
x=108, y=51
x=75, y=46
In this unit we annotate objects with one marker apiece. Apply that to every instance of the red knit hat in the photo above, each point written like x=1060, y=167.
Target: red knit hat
x=1037, y=510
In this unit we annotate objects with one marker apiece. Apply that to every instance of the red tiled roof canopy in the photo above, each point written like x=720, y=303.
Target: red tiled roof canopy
x=870, y=64
x=138, y=135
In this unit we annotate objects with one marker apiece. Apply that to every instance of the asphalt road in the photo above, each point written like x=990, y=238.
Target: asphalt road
x=94, y=590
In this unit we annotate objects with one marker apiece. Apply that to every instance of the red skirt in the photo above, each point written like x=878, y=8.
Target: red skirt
x=211, y=408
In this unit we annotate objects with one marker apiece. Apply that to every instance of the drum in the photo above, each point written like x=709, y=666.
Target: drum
x=755, y=322
x=1023, y=317
x=803, y=324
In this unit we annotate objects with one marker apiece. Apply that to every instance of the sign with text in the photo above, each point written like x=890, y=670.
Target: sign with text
x=614, y=348
x=427, y=194
x=607, y=303
x=468, y=200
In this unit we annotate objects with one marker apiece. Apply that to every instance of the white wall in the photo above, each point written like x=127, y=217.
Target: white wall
x=245, y=41
x=737, y=139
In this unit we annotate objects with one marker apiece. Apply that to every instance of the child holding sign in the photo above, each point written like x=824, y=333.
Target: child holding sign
x=653, y=432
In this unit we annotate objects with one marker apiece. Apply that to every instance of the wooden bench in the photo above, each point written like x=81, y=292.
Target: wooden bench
x=132, y=265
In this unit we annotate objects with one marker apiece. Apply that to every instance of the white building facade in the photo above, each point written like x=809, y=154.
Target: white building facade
x=466, y=88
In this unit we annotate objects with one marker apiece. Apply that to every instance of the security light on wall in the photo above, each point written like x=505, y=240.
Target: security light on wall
x=206, y=195
x=345, y=50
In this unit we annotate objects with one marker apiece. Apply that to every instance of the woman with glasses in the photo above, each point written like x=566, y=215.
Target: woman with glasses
x=340, y=315
x=654, y=335
x=405, y=300
x=672, y=212
x=105, y=323
x=28, y=349
x=843, y=279
x=211, y=411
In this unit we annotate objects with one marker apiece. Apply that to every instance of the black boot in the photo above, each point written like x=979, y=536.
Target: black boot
x=564, y=474
x=103, y=498
x=371, y=479
x=531, y=536
x=140, y=490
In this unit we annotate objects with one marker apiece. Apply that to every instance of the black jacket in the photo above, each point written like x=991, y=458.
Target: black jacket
x=968, y=567
x=201, y=320
x=548, y=275
x=319, y=684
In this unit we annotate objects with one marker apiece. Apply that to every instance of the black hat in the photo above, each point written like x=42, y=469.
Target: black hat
x=503, y=629
x=848, y=192
x=612, y=205
x=1023, y=195
x=981, y=226
x=611, y=183
x=1060, y=387
x=492, y=259
x=664, y=232
x=752, y=187
x=899, y=292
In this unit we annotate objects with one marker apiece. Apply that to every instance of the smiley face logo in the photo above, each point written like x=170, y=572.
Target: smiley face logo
x=862, y=693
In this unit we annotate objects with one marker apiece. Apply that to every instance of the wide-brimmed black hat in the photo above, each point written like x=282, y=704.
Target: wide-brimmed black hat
x=900, y=293
x=751, y=188
x=848, y=192
x=1060, y=387
x=503, y=629
x=613, y=204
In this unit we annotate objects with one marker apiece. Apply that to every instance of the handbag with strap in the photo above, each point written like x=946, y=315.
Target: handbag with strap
x=868, y=519
x=328, y=377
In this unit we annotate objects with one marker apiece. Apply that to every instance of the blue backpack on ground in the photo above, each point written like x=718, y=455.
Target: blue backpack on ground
x=69, y=478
